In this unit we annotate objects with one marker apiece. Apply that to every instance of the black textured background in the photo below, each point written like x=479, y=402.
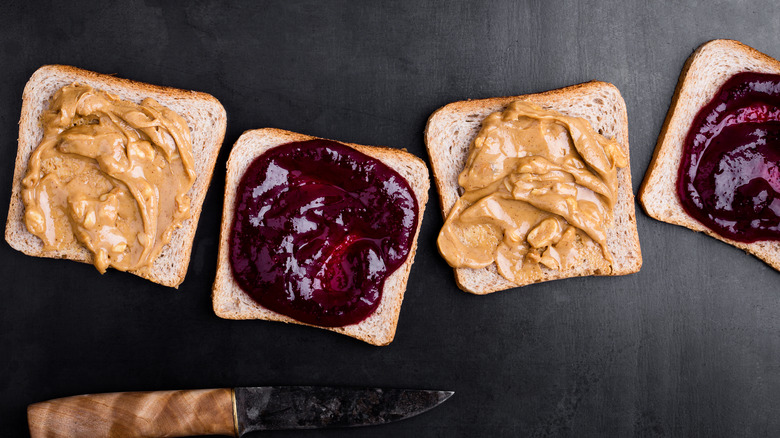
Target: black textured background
x=690, y=346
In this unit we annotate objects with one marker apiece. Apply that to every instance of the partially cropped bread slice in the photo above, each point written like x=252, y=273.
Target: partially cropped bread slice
x=231, y=302
x=706, y=70
x=205, y=117
x=452, y=128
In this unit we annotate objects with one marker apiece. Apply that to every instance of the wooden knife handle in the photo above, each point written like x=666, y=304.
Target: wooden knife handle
x=135, y=414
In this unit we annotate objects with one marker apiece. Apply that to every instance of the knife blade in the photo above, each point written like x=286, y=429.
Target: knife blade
x=231, y=412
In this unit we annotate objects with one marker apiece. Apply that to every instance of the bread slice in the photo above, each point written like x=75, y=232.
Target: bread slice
x=231, y=302
x=706, y=70
x=205, y=117
x=452, y=128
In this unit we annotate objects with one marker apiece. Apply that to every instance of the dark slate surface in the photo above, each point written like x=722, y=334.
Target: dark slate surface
x=690, y=346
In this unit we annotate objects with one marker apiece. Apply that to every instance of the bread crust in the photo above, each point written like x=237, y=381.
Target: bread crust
x=448, y=136
x=704, y=72
x=231, y=302
x=205, y=118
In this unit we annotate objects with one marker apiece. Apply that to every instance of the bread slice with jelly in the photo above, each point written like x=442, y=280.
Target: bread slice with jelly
x=231, y=302
x=448, y=137
x=703, y=74
x=205, y=118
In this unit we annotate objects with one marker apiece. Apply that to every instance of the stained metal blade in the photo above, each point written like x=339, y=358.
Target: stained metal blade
x=312, y=407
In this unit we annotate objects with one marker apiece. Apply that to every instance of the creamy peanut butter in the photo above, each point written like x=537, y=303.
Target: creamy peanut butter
x=109, y=174
x=539, y=190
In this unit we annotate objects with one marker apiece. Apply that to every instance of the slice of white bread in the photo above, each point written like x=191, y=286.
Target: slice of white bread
x=231, y=302
x=706, y=70
x=452, y=128
x=205, y=117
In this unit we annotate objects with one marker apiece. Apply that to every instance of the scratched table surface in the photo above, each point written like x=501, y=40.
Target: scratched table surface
x=689, y=346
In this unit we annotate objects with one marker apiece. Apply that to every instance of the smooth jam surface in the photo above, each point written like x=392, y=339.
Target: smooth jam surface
x=318, y=228
x=729, y=176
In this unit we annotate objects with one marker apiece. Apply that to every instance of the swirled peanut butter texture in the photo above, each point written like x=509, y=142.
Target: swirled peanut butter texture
x=539, y=189
x=109, y=174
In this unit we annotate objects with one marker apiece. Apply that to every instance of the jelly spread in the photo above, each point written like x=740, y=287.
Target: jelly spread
x=109, y=174
x=539, y=190
x=318, y=228
x=729, y=176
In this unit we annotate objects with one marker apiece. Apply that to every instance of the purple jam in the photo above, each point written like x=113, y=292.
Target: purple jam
x=729, y=176
x=318, y=227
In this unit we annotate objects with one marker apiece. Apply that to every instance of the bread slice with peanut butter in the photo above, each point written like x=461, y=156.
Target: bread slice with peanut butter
x=205, y=121
x=232, y=302
x=449, y=135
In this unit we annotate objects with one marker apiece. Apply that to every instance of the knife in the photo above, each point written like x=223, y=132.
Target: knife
x=231, y=412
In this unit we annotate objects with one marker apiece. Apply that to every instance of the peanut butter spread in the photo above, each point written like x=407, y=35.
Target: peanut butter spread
x=540, y=189
x=110, y=174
